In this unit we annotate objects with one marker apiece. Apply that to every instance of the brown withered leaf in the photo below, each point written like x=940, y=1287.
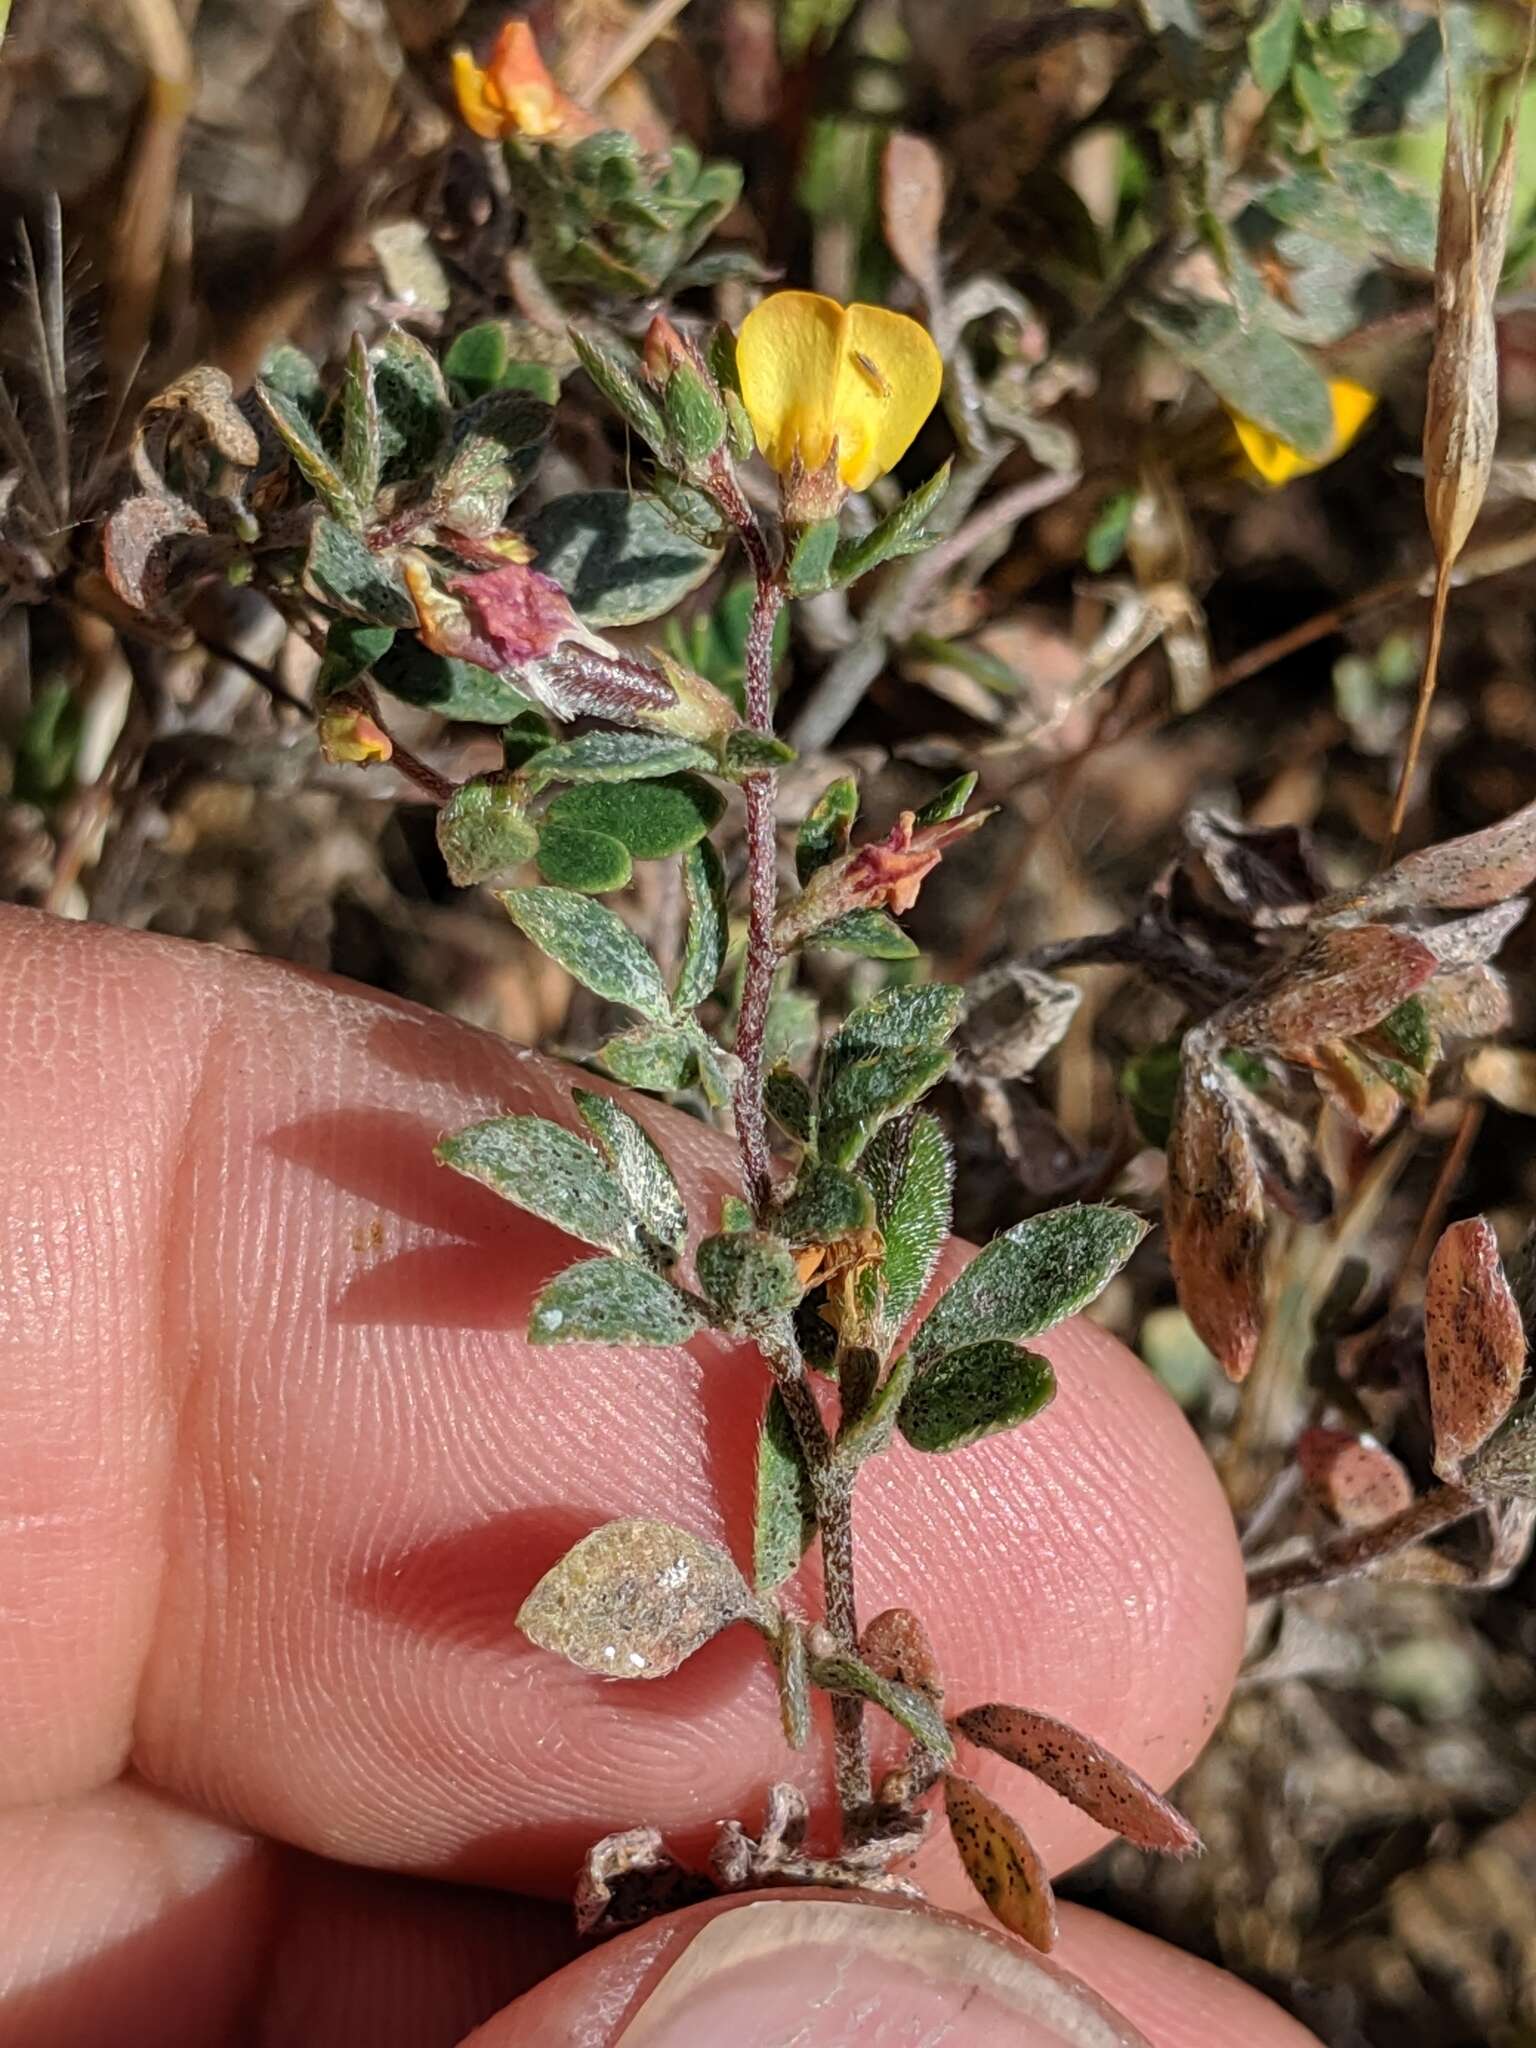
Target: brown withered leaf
x=1253, y=872
x=1215, y=1213
x=635, y=1599
x=1460, y=874
x=203, y=402
x=629, y=1878
x=896, y=1645
x=142, y=545
x=1362, y=1095
x=912, y=207
x=1345, y=979
x=1081, y=1770
x=1001, y=1862
x=1506, y=1074
x=1472, y=1004
x=1472, y=941
x=1474, y=1342
x=1286, y=1158
x=1356, y=1479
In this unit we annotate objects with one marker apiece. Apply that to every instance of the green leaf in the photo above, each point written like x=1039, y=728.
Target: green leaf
x=413, y=406
x=310, y=458
x=866, y=1090
x=747, y=1277
x=477, y=357
x=911, y=1170
x=452, y=688
x=912, y=1709
x=663, y=1061
x=1272, y=45
x=482, y=831
x=616, y=373
x=827, y=828
x=1359, y=207
x=524, y=737
x=950, y=801
x=497, y=442
x=360, y=457
x=826, y=1203
x=747, y=751
x=789, y=1102
x=610, y=1301
x=1255, y=371
x=288, y=370
x=653, y=819
x=809, y=567
x=616, y=757
x=639, y=1168
x=634, y=1600
x=550, y=1172
x=922, y=1015
x=1411, y=1034
x=1104, y=542
x=1319, y=102
x=708, y=928
x=340, y=570
x=695, y=415
x=594, y=945
x=1031, y=1278
x=873, y=934
x=573, y=858
x=618, y=557
x=901, y=532
x=786, y=1506
x=351, y=650
x=973, y=1393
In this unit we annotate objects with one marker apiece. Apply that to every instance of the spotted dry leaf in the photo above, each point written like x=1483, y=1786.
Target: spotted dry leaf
x=635, y=1599
x=1460, y=874
x=1474, y=1342
x=1215, y=1214
x=1356, y=1479
x=1343, y=981
x=1286, y=1158
x=912, y=207
x=1354, y=1088
x=896, y=1646
x=1081, y=1770
x=1001, y=1862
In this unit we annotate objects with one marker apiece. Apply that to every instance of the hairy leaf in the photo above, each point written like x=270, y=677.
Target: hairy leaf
x=825, y=831
x=873, y=934
x=786, y=1507
x=1081, y=1770
x=914, y=1710
x=901, y=532
x=1001, y=1862
x=704, y=948
x=611, y=1301
x=1031, y=1278
x=482, y=831
x=634, y=1600
x=909, y=1166
x=413, y=406
x=1254, y=370
x=618, y=556
x=497, y=441
x=1343, y=981
x=895, y=1645
x=340, y=570
x=1474, y=1342
x=922, y=1016
x=454, y=689
x=866, y=1090
x=824, y=1204
x=748, y=1277
x=789, y=1102
x=592, y=862
x=794, y=1682
x=592, y=944
x=550, y=1172
x=309, y=456
x=351, y=649
x=1217, y=1230
x=662, y=1059
x=975, y=1392
x=653, y=819
x=648, y=1182
x=950, y=801
x=361, y=459
x=616, y=757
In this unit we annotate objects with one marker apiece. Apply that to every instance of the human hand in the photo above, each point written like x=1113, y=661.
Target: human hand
x=276, y=1470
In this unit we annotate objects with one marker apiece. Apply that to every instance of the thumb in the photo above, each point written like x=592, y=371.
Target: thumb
x=816, y=1968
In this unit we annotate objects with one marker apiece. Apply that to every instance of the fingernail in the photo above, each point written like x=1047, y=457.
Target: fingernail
x=815, y=1973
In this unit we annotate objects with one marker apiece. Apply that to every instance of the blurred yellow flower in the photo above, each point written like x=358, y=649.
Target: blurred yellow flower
x=515, y=94
x=817, y=376
x=1277, y=462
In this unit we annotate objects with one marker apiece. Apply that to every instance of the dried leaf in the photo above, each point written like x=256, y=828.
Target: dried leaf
x=635, y=1599
x=1215, y=1215
x=139, y=547
x=1081, y=1770
x=1343, y=981
x=1471, y=941
x=1013, y=1017
x=1460, y=874
x=1355, y=1089
x=630, y=1878
x=205, y=397
x=1356, y=1479
x=1474, y=1342
x=1506, y=1074
x=1472, y=1004
x=1001, y=1862
x=912, y=207
x=1286, y=1158
x=895, y=1644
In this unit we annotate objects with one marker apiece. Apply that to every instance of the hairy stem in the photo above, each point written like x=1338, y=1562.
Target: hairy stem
x=1363, y=1549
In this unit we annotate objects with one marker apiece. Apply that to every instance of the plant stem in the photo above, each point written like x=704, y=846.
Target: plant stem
x=1360, y=1551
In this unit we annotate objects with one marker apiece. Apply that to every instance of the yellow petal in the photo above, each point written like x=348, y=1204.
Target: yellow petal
x=888, y=376
x=469, y=89
x=787, y=357
x=1278, y=462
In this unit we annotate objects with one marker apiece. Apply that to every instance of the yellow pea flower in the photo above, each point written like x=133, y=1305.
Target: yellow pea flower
x=515, y=94
x=817, y=376
x=1277, y=462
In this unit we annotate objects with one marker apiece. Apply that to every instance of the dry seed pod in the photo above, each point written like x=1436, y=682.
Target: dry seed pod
x=1474, y=1342
x=1215, y=1214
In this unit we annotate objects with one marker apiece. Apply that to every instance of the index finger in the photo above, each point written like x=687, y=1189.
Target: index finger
x=283, y=1467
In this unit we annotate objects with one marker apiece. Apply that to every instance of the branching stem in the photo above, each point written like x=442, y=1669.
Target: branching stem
x=1350, y=1556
